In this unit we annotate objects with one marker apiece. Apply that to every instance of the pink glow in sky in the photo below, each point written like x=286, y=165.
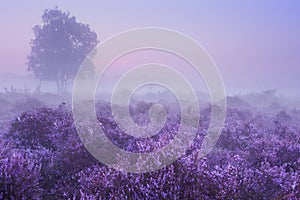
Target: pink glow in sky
x=253, y=43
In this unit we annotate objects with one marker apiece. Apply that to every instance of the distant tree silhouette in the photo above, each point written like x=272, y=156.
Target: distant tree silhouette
x=59, y=47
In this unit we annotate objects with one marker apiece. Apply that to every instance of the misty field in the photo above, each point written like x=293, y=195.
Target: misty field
x=42, y=157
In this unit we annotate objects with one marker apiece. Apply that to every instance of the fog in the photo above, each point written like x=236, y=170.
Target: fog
x=267, y=99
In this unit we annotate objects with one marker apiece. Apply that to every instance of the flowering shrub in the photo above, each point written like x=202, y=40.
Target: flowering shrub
x=20, y=175
x=256, y=157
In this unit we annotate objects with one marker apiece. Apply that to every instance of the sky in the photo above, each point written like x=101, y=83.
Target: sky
x=255, y=44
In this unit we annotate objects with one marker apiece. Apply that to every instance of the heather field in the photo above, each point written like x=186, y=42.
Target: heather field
x=42, y=156
x=150, y=100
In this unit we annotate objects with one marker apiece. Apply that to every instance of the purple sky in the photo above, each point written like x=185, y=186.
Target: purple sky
x=255, y=44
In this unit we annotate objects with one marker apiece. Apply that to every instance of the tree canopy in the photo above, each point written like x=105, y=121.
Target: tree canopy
x=59, y=47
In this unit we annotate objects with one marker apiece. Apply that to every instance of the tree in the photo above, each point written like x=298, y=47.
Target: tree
x=60, y=46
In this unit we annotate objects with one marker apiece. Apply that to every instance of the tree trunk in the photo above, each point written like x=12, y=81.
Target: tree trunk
x=62, y=81
x=38, y=87
x=58, y=85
